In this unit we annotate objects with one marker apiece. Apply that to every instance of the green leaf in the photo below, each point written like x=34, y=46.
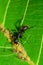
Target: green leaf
x=10, y=12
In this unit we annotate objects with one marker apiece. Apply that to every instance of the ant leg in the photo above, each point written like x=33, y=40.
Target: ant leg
x=17, y=24
x=32, y=27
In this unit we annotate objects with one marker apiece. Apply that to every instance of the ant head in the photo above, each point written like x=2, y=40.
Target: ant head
x=23, y=28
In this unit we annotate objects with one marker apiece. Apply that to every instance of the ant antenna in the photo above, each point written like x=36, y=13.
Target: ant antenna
x=32, y=27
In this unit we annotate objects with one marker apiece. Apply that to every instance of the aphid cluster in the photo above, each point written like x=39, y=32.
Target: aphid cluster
x=17, y=47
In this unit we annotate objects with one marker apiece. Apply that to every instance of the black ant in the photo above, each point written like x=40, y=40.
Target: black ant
x=19, y=34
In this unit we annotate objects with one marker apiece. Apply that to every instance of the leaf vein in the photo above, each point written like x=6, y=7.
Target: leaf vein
x=3, y=23
x=37, y=63
x=24, y=13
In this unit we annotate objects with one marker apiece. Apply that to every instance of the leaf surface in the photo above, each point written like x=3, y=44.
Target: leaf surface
x=32, y=37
